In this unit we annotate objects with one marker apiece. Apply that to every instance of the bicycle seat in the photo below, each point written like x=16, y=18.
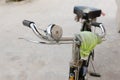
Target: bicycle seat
x=87, y=12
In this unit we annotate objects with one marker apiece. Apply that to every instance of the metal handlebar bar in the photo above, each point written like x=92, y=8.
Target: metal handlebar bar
x=101, y=26
x=103, y=31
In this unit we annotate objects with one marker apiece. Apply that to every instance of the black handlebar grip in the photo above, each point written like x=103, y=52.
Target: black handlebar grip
x=27, y=23
x=96, y=24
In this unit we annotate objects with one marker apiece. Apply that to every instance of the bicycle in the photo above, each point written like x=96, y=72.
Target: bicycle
x=53, y=35
x=89, y=16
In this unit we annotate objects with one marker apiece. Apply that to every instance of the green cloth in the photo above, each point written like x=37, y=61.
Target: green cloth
x=89, y=41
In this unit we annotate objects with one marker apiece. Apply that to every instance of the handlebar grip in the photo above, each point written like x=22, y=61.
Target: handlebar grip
x=96, y=24
x=27, y=23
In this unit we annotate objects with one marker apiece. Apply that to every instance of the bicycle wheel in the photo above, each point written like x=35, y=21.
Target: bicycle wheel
x=83, y=71
x=84, y=67
x=72, y=73
x=76, y=74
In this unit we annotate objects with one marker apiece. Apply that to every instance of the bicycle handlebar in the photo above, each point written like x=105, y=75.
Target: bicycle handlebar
x=50, y=38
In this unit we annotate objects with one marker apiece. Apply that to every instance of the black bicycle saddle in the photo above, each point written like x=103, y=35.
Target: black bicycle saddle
x=87, y=12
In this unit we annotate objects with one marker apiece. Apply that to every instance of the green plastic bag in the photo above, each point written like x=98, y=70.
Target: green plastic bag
x=89, y=41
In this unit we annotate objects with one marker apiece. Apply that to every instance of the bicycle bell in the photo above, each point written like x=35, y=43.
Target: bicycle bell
x=54, y=31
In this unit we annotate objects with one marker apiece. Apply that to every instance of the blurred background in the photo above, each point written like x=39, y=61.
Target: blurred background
x=22, y=60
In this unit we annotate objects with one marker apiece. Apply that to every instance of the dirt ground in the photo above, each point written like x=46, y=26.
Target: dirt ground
x=117, y=15
x=22, y=60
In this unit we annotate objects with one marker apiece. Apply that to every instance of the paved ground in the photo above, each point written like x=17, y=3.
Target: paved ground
x=22, y=60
